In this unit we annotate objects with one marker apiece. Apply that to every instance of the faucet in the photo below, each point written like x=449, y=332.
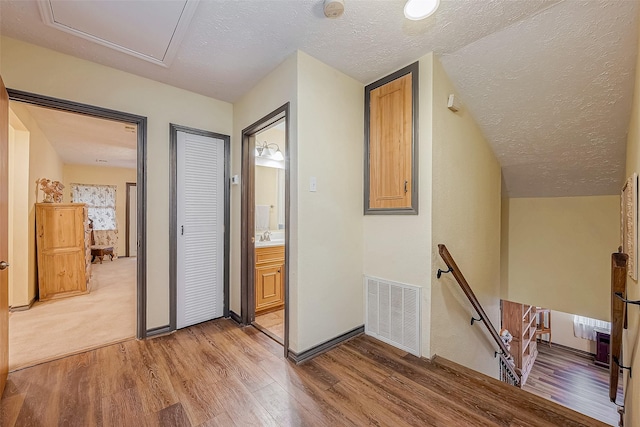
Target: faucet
x=265, y=237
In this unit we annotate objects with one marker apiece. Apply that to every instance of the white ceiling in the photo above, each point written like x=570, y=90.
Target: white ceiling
x=548, y=82
x=85, y=140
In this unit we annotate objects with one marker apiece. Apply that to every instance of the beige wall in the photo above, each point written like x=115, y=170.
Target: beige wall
x=562, y=333
x=466, y=218
x=631, y=339
x=18, y=212
x=34, y=69
x=44, y=162
x=330, y=134
x=275, y=90
x=325, y=274
x=559, y=252
x=397, y=247
x=98, y=175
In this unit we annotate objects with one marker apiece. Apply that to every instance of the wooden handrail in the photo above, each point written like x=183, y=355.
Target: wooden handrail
x=453, y=268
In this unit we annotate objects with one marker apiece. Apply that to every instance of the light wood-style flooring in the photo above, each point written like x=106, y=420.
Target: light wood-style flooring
x=574, y=381
x=52, y=329
x=272, y=324
x=219, y=374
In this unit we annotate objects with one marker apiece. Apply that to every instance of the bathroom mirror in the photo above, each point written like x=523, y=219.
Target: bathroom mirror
x=269, y=193
x=269, y=146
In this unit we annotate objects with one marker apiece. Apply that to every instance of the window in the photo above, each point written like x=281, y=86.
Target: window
x=100, y=201
x=585, y=327
x=391, y=144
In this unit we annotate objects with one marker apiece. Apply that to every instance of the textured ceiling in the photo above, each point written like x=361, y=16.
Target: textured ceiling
x=231, y=45
x=549, y=82
x=84, y=140
x=553, y=94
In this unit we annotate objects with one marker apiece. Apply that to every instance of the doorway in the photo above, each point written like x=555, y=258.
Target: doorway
x=265, y=231
x=66, y=113
x=199, y=226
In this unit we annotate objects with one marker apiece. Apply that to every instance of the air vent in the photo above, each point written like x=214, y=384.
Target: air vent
x=393, y=313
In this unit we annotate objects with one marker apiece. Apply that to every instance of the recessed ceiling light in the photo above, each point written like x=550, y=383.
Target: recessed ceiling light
x=420, y=9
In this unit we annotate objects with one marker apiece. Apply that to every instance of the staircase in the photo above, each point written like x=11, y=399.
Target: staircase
x=441, y=392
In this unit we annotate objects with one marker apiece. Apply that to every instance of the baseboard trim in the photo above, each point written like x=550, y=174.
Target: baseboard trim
x=23, y=307
x=307, y=355
x=160, y=330
x=570, y=349
x=234, y=316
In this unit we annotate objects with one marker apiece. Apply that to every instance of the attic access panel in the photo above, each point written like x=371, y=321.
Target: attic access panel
x=149, y=30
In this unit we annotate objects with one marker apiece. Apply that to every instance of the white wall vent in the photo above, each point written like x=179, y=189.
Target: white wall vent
x=393, y=313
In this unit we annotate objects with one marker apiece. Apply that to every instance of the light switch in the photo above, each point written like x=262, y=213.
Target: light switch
x=313, y=185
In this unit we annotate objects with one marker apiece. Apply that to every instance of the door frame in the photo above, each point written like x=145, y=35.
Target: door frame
x=128, y=214
x=247, y=273
x=173, y=215
x=141, y=123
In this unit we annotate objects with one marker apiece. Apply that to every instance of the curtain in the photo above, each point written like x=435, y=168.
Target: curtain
x=101, y=204
x=585, y=327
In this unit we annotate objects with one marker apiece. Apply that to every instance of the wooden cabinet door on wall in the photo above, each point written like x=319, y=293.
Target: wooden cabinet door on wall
x=390, y=144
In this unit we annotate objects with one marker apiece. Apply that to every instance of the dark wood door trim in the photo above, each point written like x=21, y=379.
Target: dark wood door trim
x=173, y=216
x=141, y=181
x=247, y=273
x=128, y=216
x=4, y=233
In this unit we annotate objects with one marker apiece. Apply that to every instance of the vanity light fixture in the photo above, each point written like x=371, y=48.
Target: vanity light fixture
x=420, y=9
x=266, y=150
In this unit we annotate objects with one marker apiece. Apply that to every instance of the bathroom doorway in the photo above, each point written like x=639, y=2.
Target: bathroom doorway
x=265, y=195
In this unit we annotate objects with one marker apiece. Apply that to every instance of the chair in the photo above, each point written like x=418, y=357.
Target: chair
x=543, y=323
x=99, y=251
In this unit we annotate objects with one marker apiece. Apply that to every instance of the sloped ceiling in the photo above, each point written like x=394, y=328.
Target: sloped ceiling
x=553, y=94
x=549, y=82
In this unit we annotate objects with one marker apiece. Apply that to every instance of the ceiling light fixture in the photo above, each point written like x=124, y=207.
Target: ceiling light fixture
x=265, y=150
x=420, y=9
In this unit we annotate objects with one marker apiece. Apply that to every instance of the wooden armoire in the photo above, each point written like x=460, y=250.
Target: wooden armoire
x=62, y=241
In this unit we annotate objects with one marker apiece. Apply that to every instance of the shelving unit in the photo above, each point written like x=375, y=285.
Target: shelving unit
x=521, y=321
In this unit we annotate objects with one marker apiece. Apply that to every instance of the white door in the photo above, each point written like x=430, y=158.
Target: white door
x=133, y=221
x=200, y=222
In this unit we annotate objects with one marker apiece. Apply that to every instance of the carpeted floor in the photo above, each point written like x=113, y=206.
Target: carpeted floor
x=57, y=328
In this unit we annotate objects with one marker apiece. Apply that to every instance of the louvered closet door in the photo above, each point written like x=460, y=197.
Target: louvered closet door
x=200, y=170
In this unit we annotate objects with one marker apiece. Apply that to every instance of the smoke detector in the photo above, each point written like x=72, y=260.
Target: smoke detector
x=333, y=8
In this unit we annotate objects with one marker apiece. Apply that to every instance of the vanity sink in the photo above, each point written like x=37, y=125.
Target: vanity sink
x=266, y=244
x=276, y=238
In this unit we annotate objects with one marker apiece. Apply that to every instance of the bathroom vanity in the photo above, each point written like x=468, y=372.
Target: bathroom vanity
x=269, y=277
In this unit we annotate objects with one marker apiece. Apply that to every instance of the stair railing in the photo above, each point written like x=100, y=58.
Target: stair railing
x=507, y=370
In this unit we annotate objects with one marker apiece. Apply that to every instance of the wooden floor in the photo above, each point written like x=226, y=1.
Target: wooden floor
x=218, y=374
x=574, y=381
x=273, y=324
